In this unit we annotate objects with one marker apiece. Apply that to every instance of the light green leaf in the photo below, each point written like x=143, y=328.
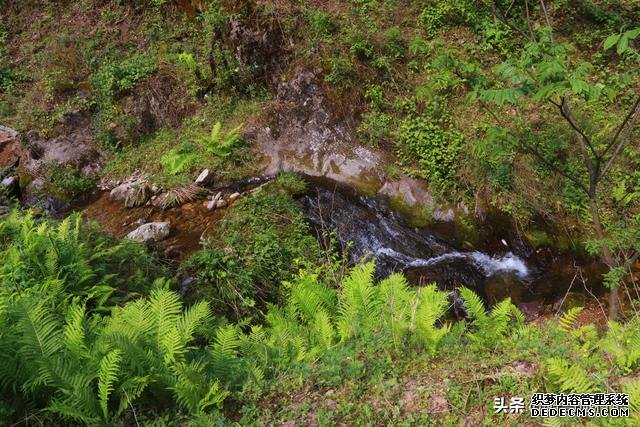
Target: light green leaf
x=623, y=44
x=611, y=41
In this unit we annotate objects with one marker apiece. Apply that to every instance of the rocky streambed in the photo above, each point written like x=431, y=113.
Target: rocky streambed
x=498, y=264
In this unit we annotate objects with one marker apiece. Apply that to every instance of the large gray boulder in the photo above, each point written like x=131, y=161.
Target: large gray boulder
x=150, y=232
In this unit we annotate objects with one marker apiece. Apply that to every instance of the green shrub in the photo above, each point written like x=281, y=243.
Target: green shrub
x=394, y=44
x=69, y=182
x=116, y=77
x=340, y=71
x=435, y=148
x=322, y=23
x=494, y=157
x=291, y=183
x=262, y=240
x=376, y=127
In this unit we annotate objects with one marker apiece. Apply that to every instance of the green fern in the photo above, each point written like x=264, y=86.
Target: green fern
x=358, y=303
x=569, y=378
x=222, y=145
x=107, y=376
x=568, y=320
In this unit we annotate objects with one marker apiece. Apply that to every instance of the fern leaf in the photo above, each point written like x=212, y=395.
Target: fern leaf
x=107, y=376
x=569, y=378
x=568, y=319
x=74, y=332
x=473, y=304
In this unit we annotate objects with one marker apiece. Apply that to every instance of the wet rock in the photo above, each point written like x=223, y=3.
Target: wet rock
x=305, y=136
x=204, y=178
x=10, y=148
x=185, y=285
x=532, y=310
x=150, y=232
x=36, y=195
x=132, y=193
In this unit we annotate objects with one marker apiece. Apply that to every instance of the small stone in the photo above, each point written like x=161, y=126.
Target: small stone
x=133, y=193
x=150, y=232
x=9, y=181
x=234, y=197
x=221, y=204
x=204, y=177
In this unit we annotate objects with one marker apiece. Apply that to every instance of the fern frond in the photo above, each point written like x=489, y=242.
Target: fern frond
x=323, y=329
x=40, y=333
x=569, y=378
x=568, y=319
x=193, y=317
x=107, y=376
x=473, y=304
x=359, y=303
x=74, y=332
x=214, y=397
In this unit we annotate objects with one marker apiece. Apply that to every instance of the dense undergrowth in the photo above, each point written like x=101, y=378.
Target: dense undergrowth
x=92, y=332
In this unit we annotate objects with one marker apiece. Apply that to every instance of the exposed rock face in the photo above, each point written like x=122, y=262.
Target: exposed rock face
x=76, y=148
x=135, y=192
x=304, y=136
x=150, y=232
x=10, y=149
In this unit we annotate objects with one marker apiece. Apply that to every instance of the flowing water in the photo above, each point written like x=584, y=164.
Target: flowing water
x=501, y=264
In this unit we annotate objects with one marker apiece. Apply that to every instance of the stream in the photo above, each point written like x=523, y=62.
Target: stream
x=500, y=265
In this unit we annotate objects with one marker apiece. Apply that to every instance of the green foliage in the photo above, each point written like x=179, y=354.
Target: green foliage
x=70, y=182
x=262, y=240
x=111, y=80
x=70, y=259
x=137, y=358
x=376, y=127
x=622, y=41
x=221, y=144
x=322, y=23
x=114, y=78
x=569, y=378
x=178, y=159
x=9, y=78
x=340, y=71
x=435, y=147
x=494, y=155
x=291, y=183
x=489, y=328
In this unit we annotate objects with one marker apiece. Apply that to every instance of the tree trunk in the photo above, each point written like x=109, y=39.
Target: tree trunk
x=607, y=256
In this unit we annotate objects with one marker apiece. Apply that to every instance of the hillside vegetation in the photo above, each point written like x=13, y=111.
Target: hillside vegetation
x=79, y=345
x=529, y=108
